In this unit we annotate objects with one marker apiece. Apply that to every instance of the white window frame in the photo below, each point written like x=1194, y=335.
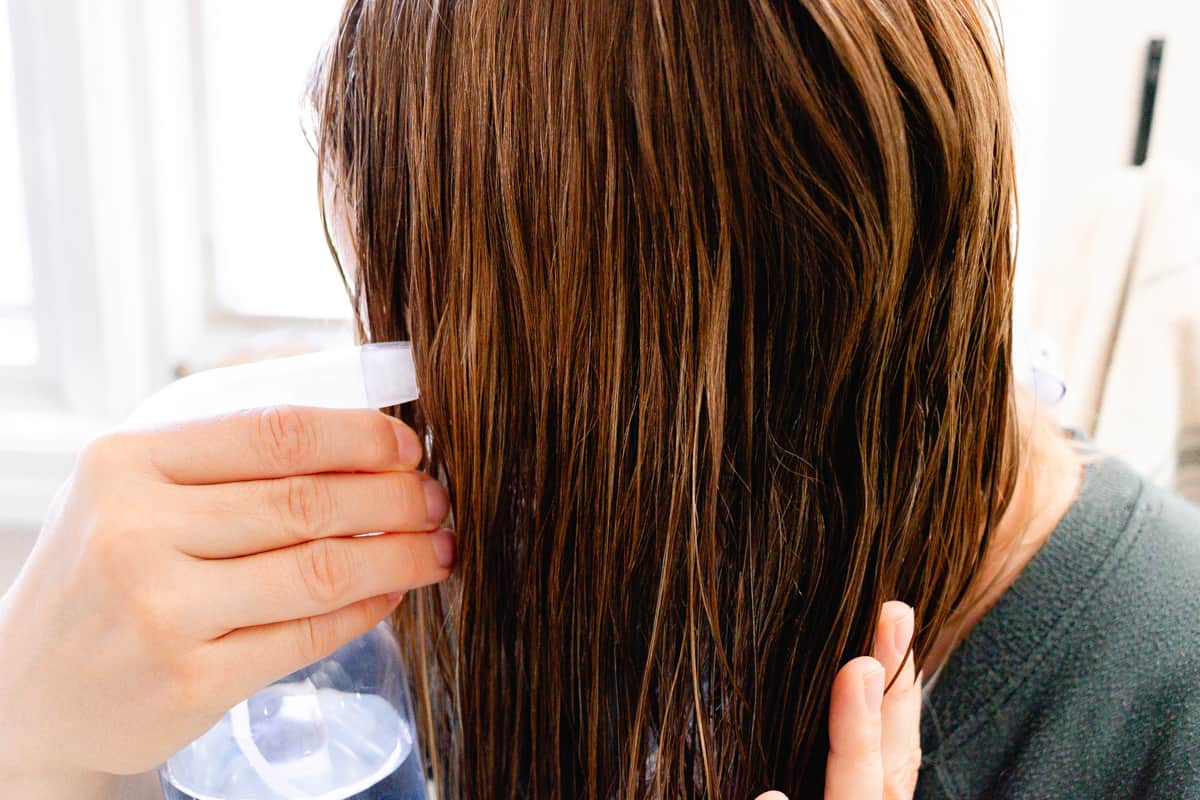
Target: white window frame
x=52, y=408
x=109, y=96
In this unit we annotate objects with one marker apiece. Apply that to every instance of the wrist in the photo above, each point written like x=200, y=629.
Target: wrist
x=23, y=774
x=57, y=784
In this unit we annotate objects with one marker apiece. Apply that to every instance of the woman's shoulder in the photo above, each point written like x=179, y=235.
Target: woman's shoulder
x=1084, y=680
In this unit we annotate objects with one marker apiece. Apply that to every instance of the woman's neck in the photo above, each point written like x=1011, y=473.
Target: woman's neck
x=1048, y=478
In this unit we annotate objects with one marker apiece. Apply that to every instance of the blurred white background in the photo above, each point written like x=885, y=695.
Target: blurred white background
x=158, y=209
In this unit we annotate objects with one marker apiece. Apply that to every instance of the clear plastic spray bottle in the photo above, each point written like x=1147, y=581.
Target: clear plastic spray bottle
x=341, y=728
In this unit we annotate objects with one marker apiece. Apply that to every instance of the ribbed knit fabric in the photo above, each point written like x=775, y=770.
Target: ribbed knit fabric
x=1083, y=681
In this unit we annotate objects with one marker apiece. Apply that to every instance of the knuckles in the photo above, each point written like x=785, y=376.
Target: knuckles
x=325, y=571
x=312, y=639
x=304, y=507
x=101, y=457
x=99, y=505
x=187, y=684
x=146, y=607
x=117, y=551
x=287, y=436
x=110, y=547
x=114, y=542
x=152, y=616
x=317, y=636
x=142, y=597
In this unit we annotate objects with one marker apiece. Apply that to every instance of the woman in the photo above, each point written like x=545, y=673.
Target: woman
x=711, y=303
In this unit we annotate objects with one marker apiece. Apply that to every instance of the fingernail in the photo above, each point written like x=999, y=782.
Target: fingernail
x=873, y=689
x=437, y=501
x=394, y=597
x=411, y=451
x=902, y=630
x=443, y=548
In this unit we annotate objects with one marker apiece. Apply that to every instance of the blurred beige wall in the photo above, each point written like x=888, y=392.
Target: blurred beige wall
x=1076, y=69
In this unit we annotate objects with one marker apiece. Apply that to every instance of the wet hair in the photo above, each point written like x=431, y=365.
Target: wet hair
x=710, y=303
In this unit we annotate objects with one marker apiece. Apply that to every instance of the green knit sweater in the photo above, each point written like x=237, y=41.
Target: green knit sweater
x=1084, y=680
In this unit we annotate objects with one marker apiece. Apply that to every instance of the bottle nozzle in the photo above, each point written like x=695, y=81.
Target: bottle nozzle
x=389, y=374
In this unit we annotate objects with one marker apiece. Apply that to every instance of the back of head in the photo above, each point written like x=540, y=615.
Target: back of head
x=710, y=302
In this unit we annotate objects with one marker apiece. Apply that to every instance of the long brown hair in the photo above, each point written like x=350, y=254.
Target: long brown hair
x=711, y=310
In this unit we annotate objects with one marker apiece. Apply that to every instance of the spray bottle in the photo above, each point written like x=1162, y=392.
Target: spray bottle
x=341, y=728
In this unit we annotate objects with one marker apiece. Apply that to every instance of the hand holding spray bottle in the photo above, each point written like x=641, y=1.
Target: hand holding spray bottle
x=341, y=728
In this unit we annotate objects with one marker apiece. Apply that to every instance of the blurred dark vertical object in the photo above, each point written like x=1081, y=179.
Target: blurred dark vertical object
x=1149, y=90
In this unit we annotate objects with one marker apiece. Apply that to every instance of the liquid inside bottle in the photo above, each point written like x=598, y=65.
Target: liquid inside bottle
x=339, y=729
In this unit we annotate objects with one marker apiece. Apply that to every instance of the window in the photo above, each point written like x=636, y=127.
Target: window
x=267, y=248
x=18, y=339
x=158, y=211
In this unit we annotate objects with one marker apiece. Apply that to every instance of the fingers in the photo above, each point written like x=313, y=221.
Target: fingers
x=281, y=441
x=854, y=770
x=875, y=740
x=255, y=516
x=250, y=658
x=319, y=577
x=901, y=734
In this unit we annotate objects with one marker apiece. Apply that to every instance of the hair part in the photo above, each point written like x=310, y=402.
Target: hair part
x=710, y=304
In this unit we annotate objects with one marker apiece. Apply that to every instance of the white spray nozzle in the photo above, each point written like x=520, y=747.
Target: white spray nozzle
x=369, y=376
x=389, y=375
